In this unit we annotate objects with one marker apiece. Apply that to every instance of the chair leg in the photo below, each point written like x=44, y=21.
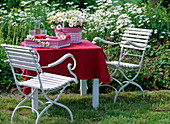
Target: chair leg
x=45, y=109
x=13, y=114
x=134, y=83
x=26, y=98
x=19, y=106
x=119, y=91
x=71, y=115
x=101, y=85
x=118, y=82
x=40, y=102
x=54, y=102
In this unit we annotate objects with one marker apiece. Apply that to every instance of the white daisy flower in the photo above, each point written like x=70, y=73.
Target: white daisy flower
x=47, y=44
x=71, y=24
x=52, y=26
x=60, y=19
x=59, y=27
x=74, y=24
x=63, y=36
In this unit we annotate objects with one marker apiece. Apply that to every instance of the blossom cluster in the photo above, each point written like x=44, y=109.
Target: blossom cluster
x=110, y=18
x=71, y=18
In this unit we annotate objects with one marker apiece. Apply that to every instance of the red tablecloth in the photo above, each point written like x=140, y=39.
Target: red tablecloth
x=89, y=57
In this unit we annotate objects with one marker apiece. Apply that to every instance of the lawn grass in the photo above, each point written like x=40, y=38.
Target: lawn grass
x=130, y=108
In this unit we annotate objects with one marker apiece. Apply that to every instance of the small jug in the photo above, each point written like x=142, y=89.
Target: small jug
x=37, y=24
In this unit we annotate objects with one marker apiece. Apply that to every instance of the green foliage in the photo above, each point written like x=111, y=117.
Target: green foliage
x=157, y=66
x=6, y=77
x=105, y=19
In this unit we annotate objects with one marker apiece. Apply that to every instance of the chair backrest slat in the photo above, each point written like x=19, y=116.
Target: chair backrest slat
x=22, y=54
x=26, y=67
x=133, y=39
x=136, y=32
x=16, y=47
x=23, y=58
x=14, y=61
x=20, y=50
x=136, y=36
x=139, y=29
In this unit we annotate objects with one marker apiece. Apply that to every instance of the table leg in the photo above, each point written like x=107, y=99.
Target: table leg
x=95, y=101
x=35, y=102
x=83, y=87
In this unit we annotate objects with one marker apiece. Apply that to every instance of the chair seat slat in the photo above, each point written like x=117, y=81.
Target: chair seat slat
x=53, y=75
x=122, y=64
x=59, y=80
x=44, y=83
x=47, y=84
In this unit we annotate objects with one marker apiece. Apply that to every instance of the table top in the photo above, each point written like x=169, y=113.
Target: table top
x=89, y=57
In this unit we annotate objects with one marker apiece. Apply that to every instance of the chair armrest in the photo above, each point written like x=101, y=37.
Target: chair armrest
x=129, y=42
x=104, y=41
x=68, y=66
x=61, y=60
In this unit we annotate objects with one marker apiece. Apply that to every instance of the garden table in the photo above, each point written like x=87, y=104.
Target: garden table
x=91, y=64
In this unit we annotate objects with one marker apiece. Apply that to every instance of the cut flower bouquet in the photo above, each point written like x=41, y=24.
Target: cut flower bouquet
x=69, y=22
x=71, y=19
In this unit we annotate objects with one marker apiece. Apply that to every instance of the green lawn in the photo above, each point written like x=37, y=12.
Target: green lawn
x=129, y=108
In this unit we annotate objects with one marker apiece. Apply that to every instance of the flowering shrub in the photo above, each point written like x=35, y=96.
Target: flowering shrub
x=106, y=18
x=110, y=18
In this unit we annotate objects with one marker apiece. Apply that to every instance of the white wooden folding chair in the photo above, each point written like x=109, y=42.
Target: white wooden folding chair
x=133, y=45
x=28, y=58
